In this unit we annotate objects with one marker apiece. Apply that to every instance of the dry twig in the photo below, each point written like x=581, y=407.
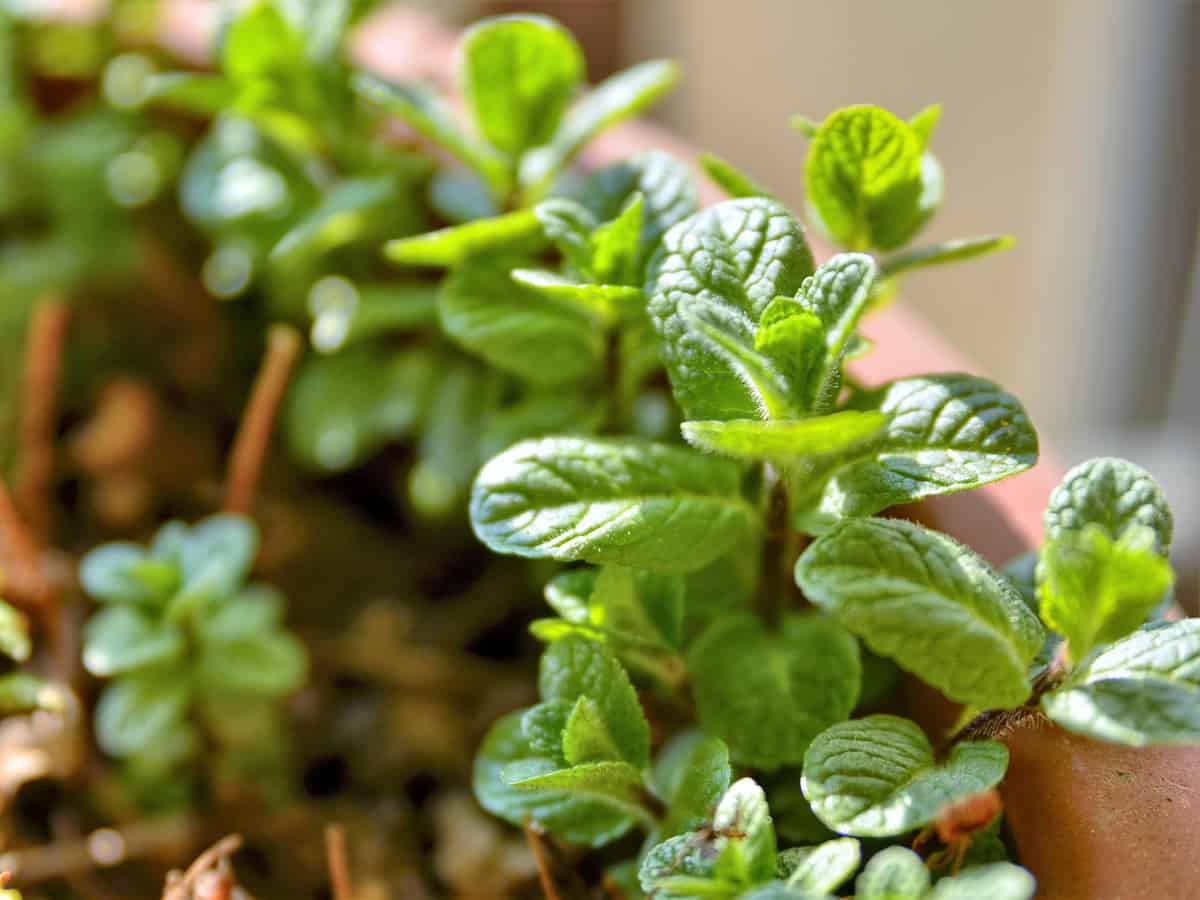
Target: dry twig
x=39, y=413
x=339, y=863
x=179, y=887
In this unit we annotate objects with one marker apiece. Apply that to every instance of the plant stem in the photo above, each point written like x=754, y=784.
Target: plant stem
x=778, y=548
x=284, y=347
x=339, y=864
x=39, y=413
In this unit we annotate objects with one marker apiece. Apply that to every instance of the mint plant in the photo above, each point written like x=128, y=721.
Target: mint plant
x=199, y=660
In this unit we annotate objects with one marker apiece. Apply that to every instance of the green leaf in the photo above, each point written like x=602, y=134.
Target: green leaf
x=838, y=294
x=14, y=633
x=575, y=667
x=585, y=736
x=573, y=818
x=255, y=609
x=995, y=881
x=260, y=44
x=607, y=501
x=925, y=122
x=1094, y=590
x=345, y=313
x=450, y=246
x=618, y=97
x=945, y=252
x=824, y=868
x=932, y=605
x=141, y=710
x=709, y=284
x=1142, y=691
x=191, y=92
x=608, y=302
x=114, y=573
x=785, y=441
x=681, y=867
x=804, y=125
x=542, y=727
x=863, y=178
x=1111, y=493
x=568, y=225
x=732, y=180
x=690, y=776
x=877, y=777
x=538, y=412
x=423, y=109
x=120, y=639
x=744, y=837
x=639, y=605
x=615, y=246
x=946, y=433
x=616, y=783
x=894, y=873
x=666, y=186
x=515, y=329
x=519, y=73
x=459, y=195
x=343, y=408
x=766, y=695
x=214, y=555
x=271, y=663
x=21, y=692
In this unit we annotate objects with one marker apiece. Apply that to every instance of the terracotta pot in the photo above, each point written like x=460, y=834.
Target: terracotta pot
x=1090, y=820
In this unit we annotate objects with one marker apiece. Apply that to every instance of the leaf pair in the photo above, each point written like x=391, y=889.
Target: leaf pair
x=897, y=873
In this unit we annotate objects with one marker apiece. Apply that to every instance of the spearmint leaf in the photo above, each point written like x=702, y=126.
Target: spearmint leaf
x=569, y=593
x=1094, y=590
x=929, y=603
x=619, y=97
x=576, y=667
x=607, y=501
x=449, y=247
x=14, y=633
x=665, y=184
x=574, y=818
x=804, y=125
x=539, y=412
x=945, y=433
x=424, y=110
x=459, y=195
x=1111, y=493
x=255, y=609
x=1142, y=691
x=519, y=73
x=945, y=252
x=615, y=245
x=709, y=285
x=824, y=868
x=681, y=867
x=191, y=92
x=585, y=736
x=609, y=302
x=924, y=123
x=271, y=663
x=141, y=710
x=995, y=881
x=646, y=606
x=542, y=727
x=838, y=293
x=260, y=43
x=744, y=837
x=877, y=777
x=863, y=178
x=766, y=695
x=787, y=440
x=569, y=226
x=894, y=873
x=214, y=556
x=615, y=783
x=732, y=180
x=110, y=574
x=120, y=639
x=515, y=329
x=690, y=776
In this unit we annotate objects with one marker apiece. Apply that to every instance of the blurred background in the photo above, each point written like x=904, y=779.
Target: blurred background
x=1072, y=125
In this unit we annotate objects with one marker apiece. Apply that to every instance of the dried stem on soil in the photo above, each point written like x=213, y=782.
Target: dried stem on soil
x=39, y=413
x=179, y=887
x=284, y=347
x=339, y=863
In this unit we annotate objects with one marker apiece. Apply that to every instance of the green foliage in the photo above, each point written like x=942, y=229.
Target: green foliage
x=1112, y=494
x=185, y=640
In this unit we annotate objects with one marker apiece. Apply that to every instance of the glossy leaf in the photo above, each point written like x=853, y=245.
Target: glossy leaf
x=121, y=639
x=690, y=776
x=270, y=663
x=785, y=441
x=1111, y=493
x=451, y=246
x=934, y=606
x=730, y=179
x=945, y=252
x=995, y=881
x=138, y=711
x=609, y=302
x=895, y=873
x=824, y=868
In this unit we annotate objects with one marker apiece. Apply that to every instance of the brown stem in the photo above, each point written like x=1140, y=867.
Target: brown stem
x=39, y=413
x=778, y=549
x=284, y=347
x=180, y=888
x=22, y=572
x=338, y=861
x=537, y=847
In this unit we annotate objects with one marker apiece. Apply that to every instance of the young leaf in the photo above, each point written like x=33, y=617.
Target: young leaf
x=569, y=226
x=191, y=92
x=838, y=293
x=730, y=179
x=995, y=881
x=141, y=710
x=515, y=231
x=519, y=73
x=786, y=441
x=14, y=633
x=767, y=696
x=271, y=663
x=120, y=639
x=517, y=330
x=709, y=284
x=575, y=667
x=619, y=97
x=934, y=606
x=607, y=501
x=542, y=727
x=1113, y=494
x=611, y=782
x=1142, y=691
x=585, y=735
x=946, y=433
x=924, y=123
x=571, y=817
x=114, y=573
x=1094, y=590
x=615, y=244
x=824, y=868
x=877, y=777
x=21, y=692
x=744, y=836
x=945, y=252
x=894, y=873
x=690, y=776
x=608, y=302
x=863, y=178
x=423, y=109
x=680, y=868
x=214, y=557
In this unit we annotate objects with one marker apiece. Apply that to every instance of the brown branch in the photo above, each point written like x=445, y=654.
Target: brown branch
x=338, y=861
x=39, y=413
x=537, y=847
x=180, y=887
x=284, y=347
x=22, y=580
